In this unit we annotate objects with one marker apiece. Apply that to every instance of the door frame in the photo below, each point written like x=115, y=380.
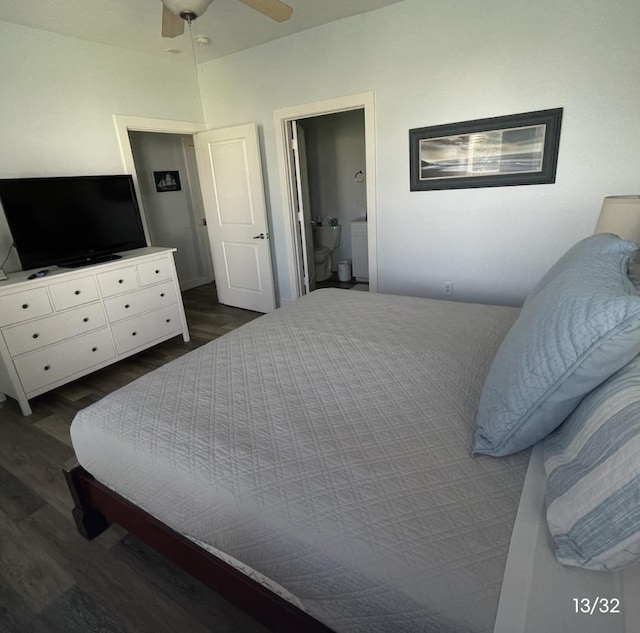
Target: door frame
x=125, y=124
x=205, y=247
x=362, y=101
x=302, y=206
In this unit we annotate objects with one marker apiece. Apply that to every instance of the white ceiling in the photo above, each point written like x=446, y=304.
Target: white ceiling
x=135, y=24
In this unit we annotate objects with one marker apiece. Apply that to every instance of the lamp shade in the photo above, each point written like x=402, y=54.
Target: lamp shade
x=620, y=215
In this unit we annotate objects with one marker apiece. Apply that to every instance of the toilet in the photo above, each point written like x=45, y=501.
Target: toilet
x=327, y=239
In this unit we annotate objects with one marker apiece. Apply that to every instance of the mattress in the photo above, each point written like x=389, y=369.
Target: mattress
x=327, y=446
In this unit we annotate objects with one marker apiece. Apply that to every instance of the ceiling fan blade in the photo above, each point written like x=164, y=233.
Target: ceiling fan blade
x=172, y=24
x=274, y=9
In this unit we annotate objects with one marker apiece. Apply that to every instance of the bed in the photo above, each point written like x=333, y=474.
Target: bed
x=316, y=466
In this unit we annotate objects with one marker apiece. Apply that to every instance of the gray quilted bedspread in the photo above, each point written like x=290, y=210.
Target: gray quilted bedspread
x=327, y=445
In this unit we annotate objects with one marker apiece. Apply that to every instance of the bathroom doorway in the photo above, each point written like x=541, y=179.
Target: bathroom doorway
x=331, y=181
x=336, y=187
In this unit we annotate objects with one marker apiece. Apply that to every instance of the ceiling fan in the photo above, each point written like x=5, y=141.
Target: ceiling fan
x=176, y=12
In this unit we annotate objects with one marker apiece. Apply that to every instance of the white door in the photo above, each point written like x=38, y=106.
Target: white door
x=233, y=194
x=302, y=205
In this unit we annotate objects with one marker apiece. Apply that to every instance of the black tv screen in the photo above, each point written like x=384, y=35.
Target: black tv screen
x=71, y=221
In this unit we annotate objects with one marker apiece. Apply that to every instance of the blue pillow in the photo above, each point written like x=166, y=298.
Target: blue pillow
x=585, y=250
x=593, y=477
x=578, y=330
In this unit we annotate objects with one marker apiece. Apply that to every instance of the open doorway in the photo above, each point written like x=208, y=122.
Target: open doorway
x=171, y=200
x=331, y=181
x=289, y=122
x=230, y=174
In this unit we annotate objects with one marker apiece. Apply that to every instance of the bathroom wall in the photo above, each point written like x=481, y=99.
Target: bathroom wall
x=335, y=153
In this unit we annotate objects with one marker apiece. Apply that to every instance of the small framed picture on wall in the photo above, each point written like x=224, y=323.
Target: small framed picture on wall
x=167, y=181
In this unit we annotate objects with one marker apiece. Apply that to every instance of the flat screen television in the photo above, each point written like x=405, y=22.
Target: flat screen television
x=71, y=221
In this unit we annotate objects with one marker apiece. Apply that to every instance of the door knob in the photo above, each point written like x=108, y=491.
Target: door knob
x=262, y=236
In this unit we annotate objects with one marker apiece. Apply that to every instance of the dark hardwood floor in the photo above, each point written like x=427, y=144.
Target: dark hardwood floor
x=51, y=579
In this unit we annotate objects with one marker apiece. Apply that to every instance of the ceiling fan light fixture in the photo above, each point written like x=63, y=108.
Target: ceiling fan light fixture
x=187, y=9
x=176, y=12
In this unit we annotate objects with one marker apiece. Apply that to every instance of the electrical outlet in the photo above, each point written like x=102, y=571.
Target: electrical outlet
x=447, y=288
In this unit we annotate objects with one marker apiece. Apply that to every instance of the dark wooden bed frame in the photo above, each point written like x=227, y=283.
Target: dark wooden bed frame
x=97, y=506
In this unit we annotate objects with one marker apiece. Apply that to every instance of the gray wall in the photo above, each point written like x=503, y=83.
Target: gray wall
x=431, y=63
x=59, y=95
x=170, y=219
x=427, y=64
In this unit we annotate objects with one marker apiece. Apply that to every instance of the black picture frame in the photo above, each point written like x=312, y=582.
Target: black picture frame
x=518, y=149
x=167, y=181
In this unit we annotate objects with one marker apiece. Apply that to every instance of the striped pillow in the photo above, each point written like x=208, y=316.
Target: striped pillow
x=593, y=477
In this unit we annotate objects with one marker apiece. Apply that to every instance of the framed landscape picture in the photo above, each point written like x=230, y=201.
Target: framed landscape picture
x=519, y=149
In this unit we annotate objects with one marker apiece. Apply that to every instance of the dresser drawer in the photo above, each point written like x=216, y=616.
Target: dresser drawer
x=114, y=282
x=142, y=300
x=154, y=271
x=51, y=329
x=65, y=359
x=69, y=294
x=145, y=328
x=21, y=306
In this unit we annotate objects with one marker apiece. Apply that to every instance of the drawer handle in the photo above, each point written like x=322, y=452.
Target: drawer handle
x=162, y=294
x=25, y=306
x=47, y=367
x=127, y=306
x=36, y=335
x=157, y=272
x=94, y=349
x=133, y=333
x=120, y=281
x=85, y=320
x=77, y=292
x=168, y=320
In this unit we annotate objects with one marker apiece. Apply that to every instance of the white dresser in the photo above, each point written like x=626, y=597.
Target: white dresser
x=74, y=321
